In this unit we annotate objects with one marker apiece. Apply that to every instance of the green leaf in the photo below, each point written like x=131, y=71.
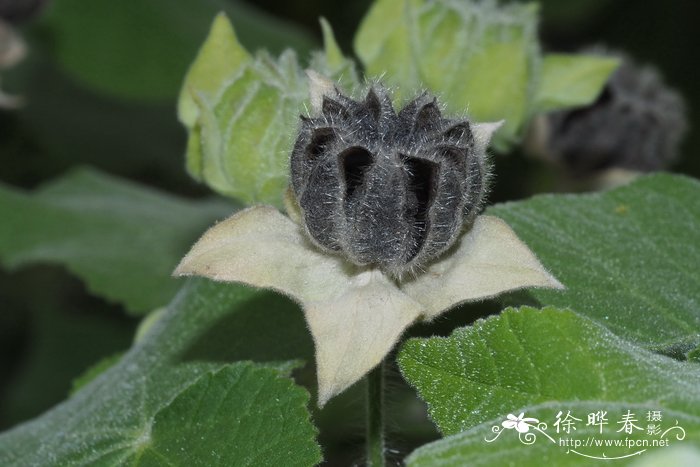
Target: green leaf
x=147, y=322
x=477, y=56
x=63, y=343
x=121, y=239
x=131, y=139
x=197, y=429
x=94, y=371
x=541, y=362
x=677, y=455
x=570, y=80
x=141, y=48
x=129, y=409
x=628, y=257
x=694, y=355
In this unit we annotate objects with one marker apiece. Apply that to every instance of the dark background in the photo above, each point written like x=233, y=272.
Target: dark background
x=101, y=82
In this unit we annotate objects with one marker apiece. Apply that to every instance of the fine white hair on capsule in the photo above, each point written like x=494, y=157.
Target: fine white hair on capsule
x=386, y=188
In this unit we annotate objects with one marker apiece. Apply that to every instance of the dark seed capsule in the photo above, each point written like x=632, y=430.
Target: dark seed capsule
x=387, y=189
x=636, y=123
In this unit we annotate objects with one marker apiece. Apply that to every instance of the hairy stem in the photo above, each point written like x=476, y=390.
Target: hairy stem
x=375, y=417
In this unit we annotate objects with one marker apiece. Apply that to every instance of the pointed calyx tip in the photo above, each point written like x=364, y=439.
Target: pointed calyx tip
x=319, y=86
x=357, y=315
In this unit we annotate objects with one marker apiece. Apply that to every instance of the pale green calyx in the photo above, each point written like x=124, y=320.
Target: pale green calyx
x=241, y=112
x=479, y=56
x=356, y=315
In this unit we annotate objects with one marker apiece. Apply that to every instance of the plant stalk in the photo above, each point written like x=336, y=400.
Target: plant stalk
x=375, y=417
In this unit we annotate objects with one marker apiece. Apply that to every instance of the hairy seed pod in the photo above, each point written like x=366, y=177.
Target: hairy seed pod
x=637, y=123
x=387, y=189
